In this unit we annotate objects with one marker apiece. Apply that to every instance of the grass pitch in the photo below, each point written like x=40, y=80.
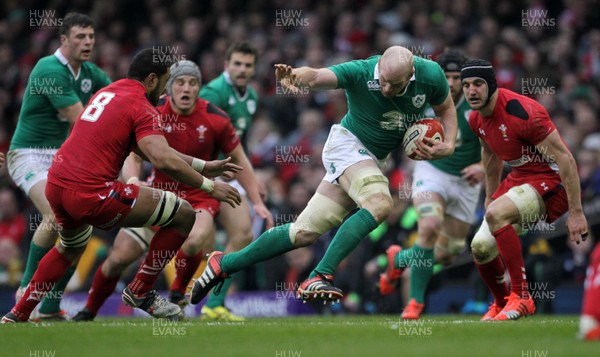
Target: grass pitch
x=537, y=336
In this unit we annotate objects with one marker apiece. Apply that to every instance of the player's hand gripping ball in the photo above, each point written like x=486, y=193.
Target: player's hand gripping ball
x=426, y=128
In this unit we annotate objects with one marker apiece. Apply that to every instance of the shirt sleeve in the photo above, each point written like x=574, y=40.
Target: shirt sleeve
x=539, y=126
x=213, y=96
x=57, y=87
x=146, y=121
x=227, y=137
x=440, y=90
x=347, y=72
x=102, y=80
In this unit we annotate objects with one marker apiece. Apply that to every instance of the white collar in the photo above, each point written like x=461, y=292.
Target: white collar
x=64, y=61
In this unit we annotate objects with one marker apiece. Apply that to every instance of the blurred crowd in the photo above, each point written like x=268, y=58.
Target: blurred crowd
x=549, y=50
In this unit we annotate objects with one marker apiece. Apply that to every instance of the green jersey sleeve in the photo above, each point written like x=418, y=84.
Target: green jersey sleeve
x=346, y=72
x=440, y=85
x=213, y=96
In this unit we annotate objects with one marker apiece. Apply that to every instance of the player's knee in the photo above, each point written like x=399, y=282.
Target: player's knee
x=429, y=230
x=116, y=264
x=483, y=245
x=379, y=205
x=305, y=238
x=370, y=189
x=494, y=218
x=185, y=217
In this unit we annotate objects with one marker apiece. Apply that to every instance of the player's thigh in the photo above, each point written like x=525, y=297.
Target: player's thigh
x=202, y=230
x=236, y=220
x=37, y=194
x=455, y=228
x=172, y=211
x=366, y=185
x=127, y=248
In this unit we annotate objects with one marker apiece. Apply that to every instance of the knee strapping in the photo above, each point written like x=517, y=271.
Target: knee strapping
x=430, y=209
x=528, y=202
x=77, y=241
x=165, y=211
x=483, y=245
x=320, y=215
x=450, y=245
x=367, y=182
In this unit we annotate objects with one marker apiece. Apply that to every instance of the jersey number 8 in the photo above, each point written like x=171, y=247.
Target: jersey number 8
x=96, y=107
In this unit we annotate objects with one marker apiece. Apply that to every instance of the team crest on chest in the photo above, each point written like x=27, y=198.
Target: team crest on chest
x=251, y=105
x=86, y=85
x=503, y=130
x=201, y=130
x=231, y=101
x=418, y=100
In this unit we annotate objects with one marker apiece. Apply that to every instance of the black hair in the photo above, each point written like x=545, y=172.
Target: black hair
x=145, y=62
x=243, y=47
x=75, y=19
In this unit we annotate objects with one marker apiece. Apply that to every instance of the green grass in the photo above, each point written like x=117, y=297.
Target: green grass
x=300, y=337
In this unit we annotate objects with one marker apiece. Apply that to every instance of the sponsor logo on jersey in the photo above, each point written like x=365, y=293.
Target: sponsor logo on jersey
x=373, y=84
x=251, y=105
x=482, y=132
x=86, y=85
x=418, y=100
x=201, y=130
x=544, y=186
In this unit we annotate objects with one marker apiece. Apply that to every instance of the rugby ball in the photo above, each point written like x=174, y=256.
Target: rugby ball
x=425, y=128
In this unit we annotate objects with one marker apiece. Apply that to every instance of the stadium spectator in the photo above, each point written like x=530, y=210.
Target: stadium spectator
x=83, y=189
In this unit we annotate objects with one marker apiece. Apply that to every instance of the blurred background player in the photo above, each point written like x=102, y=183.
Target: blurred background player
x=58, y=88
x=543, y=184
x=231, y=92
x=382, y=92
x=197, y=128
x=83, y=189
x=445, y=195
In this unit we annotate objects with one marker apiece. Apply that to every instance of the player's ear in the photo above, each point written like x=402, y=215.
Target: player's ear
x=151, y=81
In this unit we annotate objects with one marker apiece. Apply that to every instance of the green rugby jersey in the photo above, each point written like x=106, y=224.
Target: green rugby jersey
x=222, y=92
x=52, y=85
x=467, y=150
x=380, y=122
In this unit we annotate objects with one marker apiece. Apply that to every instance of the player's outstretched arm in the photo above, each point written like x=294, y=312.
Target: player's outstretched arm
x=553, y=149
x=167, y=160
x=248, y=181
x=492, y=166
x=301, y=77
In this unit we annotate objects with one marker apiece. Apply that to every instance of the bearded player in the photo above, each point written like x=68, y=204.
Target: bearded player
x=543, y=184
